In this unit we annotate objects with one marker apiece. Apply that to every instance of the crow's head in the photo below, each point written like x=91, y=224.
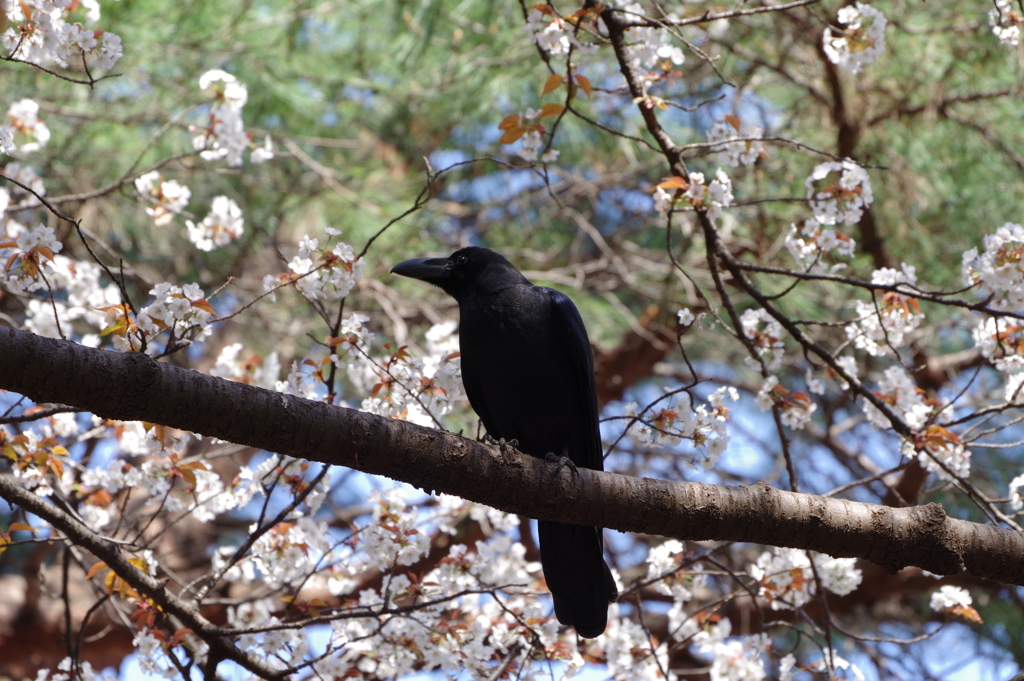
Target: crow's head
x=465, y=270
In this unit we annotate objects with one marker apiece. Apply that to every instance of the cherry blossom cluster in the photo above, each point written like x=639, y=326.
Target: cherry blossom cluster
x=204, y=496
x=41, y=32
x=151, y=647
x=738, y=658
x=225, y=137
x=1016, y=503
x=1001, y=341
x=222, y=225
x=812, y=244
x=167, y=198
x=899, y=391
x=998, y=272
x=274, y=556
x=663, y=563
x=457, y=628
x=733, y=658
x=650, y=47
x=631, y=652
x=815, y=379
x=278, y=647
x=320, y=274
x=712, y=197
x=999, y=269
x=765, y=334
x=34, y=455
x=1005, y=22
x=251, y=368
x=392, y=537
x=349, y=351
x=861, y=42
x=883, y=324
x=668, y=426
x=527, y=129
x=954, y=600
x=936, y=447
x=291, y=551
x=786, y=579
x=795, y=408
x=736, y=144
x=27, y=253
x=70, y=670
x=33, y=264
x=829, y=664
x=26, y=176
x=838, y=201
x=25, y=132
x=412, y=388
x=83, y=298
x=182, y=311
x=553, y=33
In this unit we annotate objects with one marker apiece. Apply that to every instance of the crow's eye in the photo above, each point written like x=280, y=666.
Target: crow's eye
x=461, y=260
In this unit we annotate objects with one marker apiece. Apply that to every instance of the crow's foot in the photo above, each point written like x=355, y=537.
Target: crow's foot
x=560, y=463
x=506, y=447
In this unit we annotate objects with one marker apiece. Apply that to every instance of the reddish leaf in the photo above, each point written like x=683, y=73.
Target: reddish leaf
x=94, y=570
x=509, y=122
x=513, y=134
x=553, y=82
x=673, y=183
x=203, y=304
x=584, y=84
x=551, y=109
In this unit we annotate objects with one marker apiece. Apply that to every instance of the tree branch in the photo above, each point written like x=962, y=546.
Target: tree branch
x=132, y=386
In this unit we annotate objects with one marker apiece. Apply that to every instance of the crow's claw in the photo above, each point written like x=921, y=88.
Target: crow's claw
x=560, y=463
x=506, y=447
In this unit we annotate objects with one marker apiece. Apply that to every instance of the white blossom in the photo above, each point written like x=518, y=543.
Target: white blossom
x=787, y=580
x=880, y=330
x=24, y=119
x=669, y=424
x=765, y=334
x=861, y=42
x=225, y=137
x=43, y=36
x=736, y=145
x=1005, y=22
x=1015, y=499
x=1000, y=268
x=811, y=244
x=842, y=200
x=222, y=225
x=948, y=597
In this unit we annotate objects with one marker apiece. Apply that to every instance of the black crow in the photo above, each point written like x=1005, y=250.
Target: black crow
x=529, y=374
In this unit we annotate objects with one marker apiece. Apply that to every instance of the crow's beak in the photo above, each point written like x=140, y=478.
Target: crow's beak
x=431, y=270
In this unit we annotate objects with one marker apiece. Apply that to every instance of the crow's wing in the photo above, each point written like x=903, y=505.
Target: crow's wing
x=572, y=335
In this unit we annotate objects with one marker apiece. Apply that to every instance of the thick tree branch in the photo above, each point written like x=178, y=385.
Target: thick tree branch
x=131, y=386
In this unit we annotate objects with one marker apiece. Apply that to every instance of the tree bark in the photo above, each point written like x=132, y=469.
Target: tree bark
x=132, y=386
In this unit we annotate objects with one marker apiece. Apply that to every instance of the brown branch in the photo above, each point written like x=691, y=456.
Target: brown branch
x=132, y=386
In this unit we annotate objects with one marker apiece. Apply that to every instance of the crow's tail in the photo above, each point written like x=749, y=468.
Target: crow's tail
x=580, y=582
